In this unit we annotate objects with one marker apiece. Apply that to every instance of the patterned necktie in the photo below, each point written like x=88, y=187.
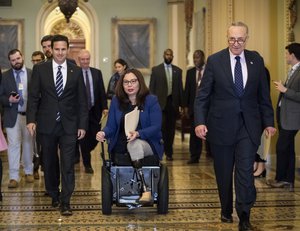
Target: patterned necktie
x=238, y=77
x=59, y=87
x=88, y=90
x=19, y=87
x=199, y=77
x=291, y=71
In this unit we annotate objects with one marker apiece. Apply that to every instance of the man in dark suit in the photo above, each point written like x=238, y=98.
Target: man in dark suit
x=288, y=114
x=166, y=84
x=193, y=80
x=97, y=104
x=57, y=110
x=232, y=108
x=13, y=97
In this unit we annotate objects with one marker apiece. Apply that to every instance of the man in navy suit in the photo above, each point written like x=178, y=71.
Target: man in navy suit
x=57, y=110
x=97, y=104
x=232, y=108
x=166, y=84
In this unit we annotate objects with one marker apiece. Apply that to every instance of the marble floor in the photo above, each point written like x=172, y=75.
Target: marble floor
x=193, y=202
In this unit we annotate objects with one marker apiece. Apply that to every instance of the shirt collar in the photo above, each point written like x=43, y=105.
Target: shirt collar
x=295, y=66
x=55, y=65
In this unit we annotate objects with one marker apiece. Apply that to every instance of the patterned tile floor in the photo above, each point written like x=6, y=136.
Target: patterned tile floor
x=193, y=202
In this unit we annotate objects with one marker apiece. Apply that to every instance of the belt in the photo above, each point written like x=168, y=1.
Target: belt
x=23, y=113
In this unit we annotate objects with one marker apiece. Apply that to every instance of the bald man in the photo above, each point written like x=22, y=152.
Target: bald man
x=97, y=104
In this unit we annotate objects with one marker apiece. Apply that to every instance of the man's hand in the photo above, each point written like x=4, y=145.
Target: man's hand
x=270, y=131
x=279, y=86
x=80, y=134
x=31, y=127
x=201, y=131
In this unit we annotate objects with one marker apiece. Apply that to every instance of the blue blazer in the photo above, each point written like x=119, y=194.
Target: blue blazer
x=150, y=120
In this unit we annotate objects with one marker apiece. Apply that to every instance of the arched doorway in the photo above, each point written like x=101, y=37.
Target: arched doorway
x=83, y=22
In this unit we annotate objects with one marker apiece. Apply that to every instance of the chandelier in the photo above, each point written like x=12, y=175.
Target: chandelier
x=67, y=7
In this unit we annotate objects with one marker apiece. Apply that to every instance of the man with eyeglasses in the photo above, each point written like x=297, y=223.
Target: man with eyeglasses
x=232, y=108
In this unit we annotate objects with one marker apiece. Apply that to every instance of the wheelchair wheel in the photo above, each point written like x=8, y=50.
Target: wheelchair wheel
x=106, y=189
x=163, y=191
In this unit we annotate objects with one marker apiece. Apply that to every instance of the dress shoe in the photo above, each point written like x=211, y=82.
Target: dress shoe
x=261, y=174
x=245, y=226
x=193, y=161
x=65, y=210
x=29, y=178
x=36, y=175
x=169, y=158
x=260, y=170
x=282, y=184
x=13, y=184
x=226, y=219
x=89, y=170
x=55, y=203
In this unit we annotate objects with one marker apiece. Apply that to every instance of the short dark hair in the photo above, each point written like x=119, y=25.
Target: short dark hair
x=141, y=94
x=58, y=38
x=294, y=48
x=201, y=53
x=35, y=53
x=48, y=37
x=12, y=52
x=122, y=62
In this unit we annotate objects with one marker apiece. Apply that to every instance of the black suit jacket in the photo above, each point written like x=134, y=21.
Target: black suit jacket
x=8, y=85
x=99, y=96
x=158, y=85
x=43, y=102
x=218, y=107
x=190, y=89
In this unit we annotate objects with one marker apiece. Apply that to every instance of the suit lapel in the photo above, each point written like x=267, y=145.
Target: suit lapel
x=225, y=60
x=294, y=76
x=70, y=73
x=250, y=63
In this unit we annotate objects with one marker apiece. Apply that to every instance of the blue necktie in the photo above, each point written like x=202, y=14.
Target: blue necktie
x=59, y=87
x=88, y=90
x=238, y=77
x=19, y=83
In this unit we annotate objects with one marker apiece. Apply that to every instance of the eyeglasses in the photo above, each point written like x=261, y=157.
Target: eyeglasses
x=240, y=41
x=132, y=82
x=36, y=60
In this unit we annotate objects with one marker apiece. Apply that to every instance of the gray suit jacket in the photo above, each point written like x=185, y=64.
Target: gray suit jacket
x=8, y=84
x=290, y=103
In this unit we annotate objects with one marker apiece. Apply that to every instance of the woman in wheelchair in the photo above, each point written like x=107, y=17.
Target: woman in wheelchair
x=144, y=137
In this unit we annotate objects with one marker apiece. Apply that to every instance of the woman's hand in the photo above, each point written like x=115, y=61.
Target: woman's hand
x=133, y=135
x=100, y=136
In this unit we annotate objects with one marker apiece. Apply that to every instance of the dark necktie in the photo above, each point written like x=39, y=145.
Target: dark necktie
x=238, y=77
x=199, y=77
x=19, y=87
x=59, y=87
x=88, y=90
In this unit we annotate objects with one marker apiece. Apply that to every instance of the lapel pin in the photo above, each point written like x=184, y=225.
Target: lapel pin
x=251, y=62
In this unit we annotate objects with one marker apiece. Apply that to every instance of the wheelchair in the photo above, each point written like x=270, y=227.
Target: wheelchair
x=122, y=186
